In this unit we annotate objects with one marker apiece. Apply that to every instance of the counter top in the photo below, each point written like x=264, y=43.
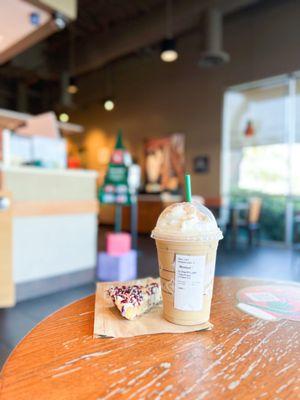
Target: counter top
x=48, y=171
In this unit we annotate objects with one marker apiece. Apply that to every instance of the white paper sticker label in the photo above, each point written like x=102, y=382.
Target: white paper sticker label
x=189, y=282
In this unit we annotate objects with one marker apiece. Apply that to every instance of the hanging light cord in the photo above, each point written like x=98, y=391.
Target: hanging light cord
x=169, y=17
x=71, y=51
x=108, y=81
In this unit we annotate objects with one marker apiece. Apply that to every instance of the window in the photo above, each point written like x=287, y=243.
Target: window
x=261, y=151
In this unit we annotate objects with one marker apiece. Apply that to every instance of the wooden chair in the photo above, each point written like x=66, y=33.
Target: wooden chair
x=198, y=199
x=253, y=227
x=246, y=216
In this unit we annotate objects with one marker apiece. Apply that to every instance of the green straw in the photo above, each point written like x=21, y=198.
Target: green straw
x=188, y=188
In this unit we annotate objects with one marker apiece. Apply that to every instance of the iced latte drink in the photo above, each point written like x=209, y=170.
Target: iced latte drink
x=186, y=236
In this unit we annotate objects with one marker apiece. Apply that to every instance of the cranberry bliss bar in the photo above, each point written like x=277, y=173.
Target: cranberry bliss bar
x=133, y=301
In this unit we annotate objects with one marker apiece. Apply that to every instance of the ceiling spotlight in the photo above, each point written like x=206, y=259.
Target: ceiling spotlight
x=64, y=117
x=108, y=104
x=35, y=18
x=168, y=46
x=60, y=20
x=168, y=50
x=72, y=86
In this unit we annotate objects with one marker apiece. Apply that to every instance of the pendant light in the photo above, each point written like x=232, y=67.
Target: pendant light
x=108, y=104
x=108, y=101
x=64, y=117
x=168, y=46
x=249, y=130
x=72, y=87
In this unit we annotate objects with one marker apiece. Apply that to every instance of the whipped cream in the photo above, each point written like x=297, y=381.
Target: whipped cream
x=186, y=220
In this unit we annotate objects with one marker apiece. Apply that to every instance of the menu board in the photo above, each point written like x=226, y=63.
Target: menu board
x=50, y=152
x=165, y=163
x=16, y=149
x=20, y=148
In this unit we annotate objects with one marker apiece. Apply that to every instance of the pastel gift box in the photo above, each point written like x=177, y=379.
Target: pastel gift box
x=120, y=267
x=118, y=243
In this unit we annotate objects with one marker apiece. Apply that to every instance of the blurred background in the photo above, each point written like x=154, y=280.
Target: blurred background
x=105, y=105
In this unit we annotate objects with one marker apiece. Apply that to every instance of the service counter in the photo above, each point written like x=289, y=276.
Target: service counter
x=48, y=224
x=149, y=208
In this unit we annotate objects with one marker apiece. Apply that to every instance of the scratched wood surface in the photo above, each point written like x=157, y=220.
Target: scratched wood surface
x=241, y=358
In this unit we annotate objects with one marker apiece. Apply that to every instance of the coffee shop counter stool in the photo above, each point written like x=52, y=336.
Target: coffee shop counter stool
x=242, y=357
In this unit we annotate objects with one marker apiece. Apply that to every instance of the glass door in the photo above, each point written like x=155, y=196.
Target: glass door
x=256, y=152
x=295, y=159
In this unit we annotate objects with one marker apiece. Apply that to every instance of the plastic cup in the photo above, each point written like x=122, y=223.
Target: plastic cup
x=186, y=268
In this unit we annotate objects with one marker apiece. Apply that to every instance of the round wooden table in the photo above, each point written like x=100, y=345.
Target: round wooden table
x=242, y=357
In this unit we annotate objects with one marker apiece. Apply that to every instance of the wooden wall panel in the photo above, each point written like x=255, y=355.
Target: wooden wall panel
x=36, y=208
x=7, y=292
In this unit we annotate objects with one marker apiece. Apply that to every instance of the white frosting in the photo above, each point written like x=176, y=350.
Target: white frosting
x=187, y=220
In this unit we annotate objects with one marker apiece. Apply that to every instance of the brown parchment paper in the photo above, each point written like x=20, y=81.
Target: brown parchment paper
x=109, y=322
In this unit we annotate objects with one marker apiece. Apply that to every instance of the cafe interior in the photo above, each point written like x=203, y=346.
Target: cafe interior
x=105, y=107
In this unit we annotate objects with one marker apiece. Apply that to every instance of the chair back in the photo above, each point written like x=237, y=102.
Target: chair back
x=198, y=199
x=254, y=210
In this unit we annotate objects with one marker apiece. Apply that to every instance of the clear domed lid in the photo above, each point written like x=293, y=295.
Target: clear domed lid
x=185, y=222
